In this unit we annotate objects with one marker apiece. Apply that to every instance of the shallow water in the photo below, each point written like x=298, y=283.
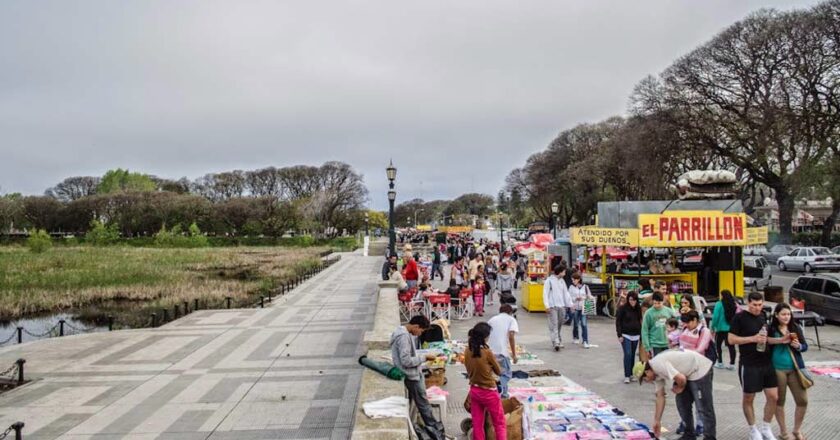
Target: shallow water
x=44, y=327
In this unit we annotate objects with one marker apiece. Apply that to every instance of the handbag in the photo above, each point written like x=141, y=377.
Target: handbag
x=805, y=379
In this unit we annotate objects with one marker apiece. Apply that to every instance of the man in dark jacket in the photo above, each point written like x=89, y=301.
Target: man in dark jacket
x=386, y=267
x=436, y=264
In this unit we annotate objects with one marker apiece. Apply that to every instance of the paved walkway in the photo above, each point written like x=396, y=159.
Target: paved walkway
x=285, y=372
x=600, y=369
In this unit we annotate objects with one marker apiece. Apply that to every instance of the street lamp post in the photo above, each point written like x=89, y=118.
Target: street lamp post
x=502, y=233
x=391, y=172
x=555, y=208
x=367, y=223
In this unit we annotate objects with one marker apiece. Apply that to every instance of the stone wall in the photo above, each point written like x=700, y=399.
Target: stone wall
x=374, y=385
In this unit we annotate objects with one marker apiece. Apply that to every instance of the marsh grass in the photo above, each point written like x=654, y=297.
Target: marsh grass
x=131, y=282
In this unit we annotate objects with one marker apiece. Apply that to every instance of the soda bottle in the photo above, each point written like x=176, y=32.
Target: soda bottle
x=762, y=346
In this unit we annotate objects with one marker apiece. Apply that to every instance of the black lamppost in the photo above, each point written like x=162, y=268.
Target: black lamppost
x=555, y=208
x=367, y=222
x=391, y=172
x=502, y=233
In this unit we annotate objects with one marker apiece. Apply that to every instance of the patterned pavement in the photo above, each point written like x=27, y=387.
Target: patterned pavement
x=288, y=371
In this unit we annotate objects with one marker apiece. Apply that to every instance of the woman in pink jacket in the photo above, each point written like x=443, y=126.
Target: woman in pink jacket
x=694, y=337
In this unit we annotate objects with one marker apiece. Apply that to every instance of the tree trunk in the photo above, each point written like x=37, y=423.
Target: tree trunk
x=786, y=208
x=830, y=221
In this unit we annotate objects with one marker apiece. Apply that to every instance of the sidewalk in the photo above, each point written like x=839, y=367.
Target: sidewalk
x=288, y=371
x=600, y=370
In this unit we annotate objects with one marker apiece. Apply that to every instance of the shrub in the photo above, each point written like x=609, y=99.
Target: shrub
x=101, y=235
x=39, y=241
x=175, y=237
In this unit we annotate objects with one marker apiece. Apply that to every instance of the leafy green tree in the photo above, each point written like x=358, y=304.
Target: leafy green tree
x=39, y=241
x=101, y=235
x=122, y=180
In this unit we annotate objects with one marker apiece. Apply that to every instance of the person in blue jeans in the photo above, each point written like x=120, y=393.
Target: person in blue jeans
x=628, y=327
x=579, y=292
x=502, y=343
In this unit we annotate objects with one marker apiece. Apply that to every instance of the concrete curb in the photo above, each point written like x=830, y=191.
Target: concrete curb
x=374, y=385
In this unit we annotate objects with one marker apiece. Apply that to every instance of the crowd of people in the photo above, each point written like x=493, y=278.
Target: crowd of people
x=663, y=340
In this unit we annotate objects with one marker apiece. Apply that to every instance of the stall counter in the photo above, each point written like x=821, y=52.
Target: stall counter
x=532, y=296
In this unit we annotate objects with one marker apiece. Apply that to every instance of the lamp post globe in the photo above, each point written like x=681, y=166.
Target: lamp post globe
x=555, y=208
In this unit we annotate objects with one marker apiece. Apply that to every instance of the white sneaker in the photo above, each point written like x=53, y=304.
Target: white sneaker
x=626, y=380
x=755, y=434
x=586, y=345
x=576, y=341
x=766, y=432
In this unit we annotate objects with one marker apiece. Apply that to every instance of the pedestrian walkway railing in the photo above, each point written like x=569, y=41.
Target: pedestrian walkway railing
x=164, y=315
x=16, y=428
x=13, y=376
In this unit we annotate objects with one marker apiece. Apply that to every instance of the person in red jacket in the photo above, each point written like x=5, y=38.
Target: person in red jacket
x=410, y=272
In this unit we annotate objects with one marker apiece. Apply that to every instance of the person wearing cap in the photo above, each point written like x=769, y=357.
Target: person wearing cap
x=690, y=375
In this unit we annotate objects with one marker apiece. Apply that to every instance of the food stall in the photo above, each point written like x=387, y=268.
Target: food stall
x=537, y=271
x=660, y=228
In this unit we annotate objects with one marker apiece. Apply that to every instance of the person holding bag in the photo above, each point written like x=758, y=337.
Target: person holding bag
x=482, y=369
x=790, y=369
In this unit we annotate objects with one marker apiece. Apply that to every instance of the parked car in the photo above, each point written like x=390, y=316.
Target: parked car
x=835, y=250
x=757, y=272
x=821, y=293
x=809, y=259
x=779, y=250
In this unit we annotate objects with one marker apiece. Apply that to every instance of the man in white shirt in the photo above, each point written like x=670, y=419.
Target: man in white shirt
x=502, y=343
x=690, y=375
x=556, y=300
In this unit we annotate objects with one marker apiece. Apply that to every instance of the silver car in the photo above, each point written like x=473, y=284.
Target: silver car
x=778, y=251
x=757, y=273
x=809, y=259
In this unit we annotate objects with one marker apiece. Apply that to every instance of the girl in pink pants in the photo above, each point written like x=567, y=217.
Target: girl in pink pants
x=482, y=368
x=478, y=295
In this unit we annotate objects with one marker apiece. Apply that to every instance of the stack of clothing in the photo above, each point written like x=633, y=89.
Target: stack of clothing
x=557, y=408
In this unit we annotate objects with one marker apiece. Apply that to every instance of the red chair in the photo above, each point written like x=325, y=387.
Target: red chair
x=409, y=306
x=439, y=307
x=464, y=308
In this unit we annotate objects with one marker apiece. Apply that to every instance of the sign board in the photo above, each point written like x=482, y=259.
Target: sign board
x=692, y=228
x=424, y=228
x=594, y=236
x=759, y=235
x=456, y=229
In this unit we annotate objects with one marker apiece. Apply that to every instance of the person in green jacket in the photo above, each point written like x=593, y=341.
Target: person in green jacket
x=654, y=336
x=725, y=310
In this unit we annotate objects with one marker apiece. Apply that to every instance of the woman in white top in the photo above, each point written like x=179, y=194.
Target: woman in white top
x=579, y=292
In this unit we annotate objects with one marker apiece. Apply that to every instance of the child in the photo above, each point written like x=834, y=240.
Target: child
x=479, y=290
x=674, y=332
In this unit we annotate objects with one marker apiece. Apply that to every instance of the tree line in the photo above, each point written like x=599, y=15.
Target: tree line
x=761, y=99
x=323, y=200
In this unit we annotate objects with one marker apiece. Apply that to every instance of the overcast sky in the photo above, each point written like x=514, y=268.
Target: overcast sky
x=457, y=93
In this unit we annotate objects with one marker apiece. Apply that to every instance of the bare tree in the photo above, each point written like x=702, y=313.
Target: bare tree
x=74, y=188
x=761, y=94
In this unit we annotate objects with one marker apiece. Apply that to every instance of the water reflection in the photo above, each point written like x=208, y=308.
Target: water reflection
x=46, y=326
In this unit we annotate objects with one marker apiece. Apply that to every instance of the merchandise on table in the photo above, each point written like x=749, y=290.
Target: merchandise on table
x=558, y=408
x=832, y=372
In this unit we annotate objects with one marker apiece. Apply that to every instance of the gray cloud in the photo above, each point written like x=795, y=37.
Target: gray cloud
x=457, y=93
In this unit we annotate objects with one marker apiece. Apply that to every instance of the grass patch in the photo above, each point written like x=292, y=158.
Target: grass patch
x=132, y=282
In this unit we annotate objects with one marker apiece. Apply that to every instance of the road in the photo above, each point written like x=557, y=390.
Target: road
x=784, y=279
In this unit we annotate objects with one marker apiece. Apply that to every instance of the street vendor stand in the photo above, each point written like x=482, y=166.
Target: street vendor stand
x=719, y=227
x=532, y=287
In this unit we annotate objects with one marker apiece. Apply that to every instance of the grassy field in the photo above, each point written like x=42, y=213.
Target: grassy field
x=133, y=282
